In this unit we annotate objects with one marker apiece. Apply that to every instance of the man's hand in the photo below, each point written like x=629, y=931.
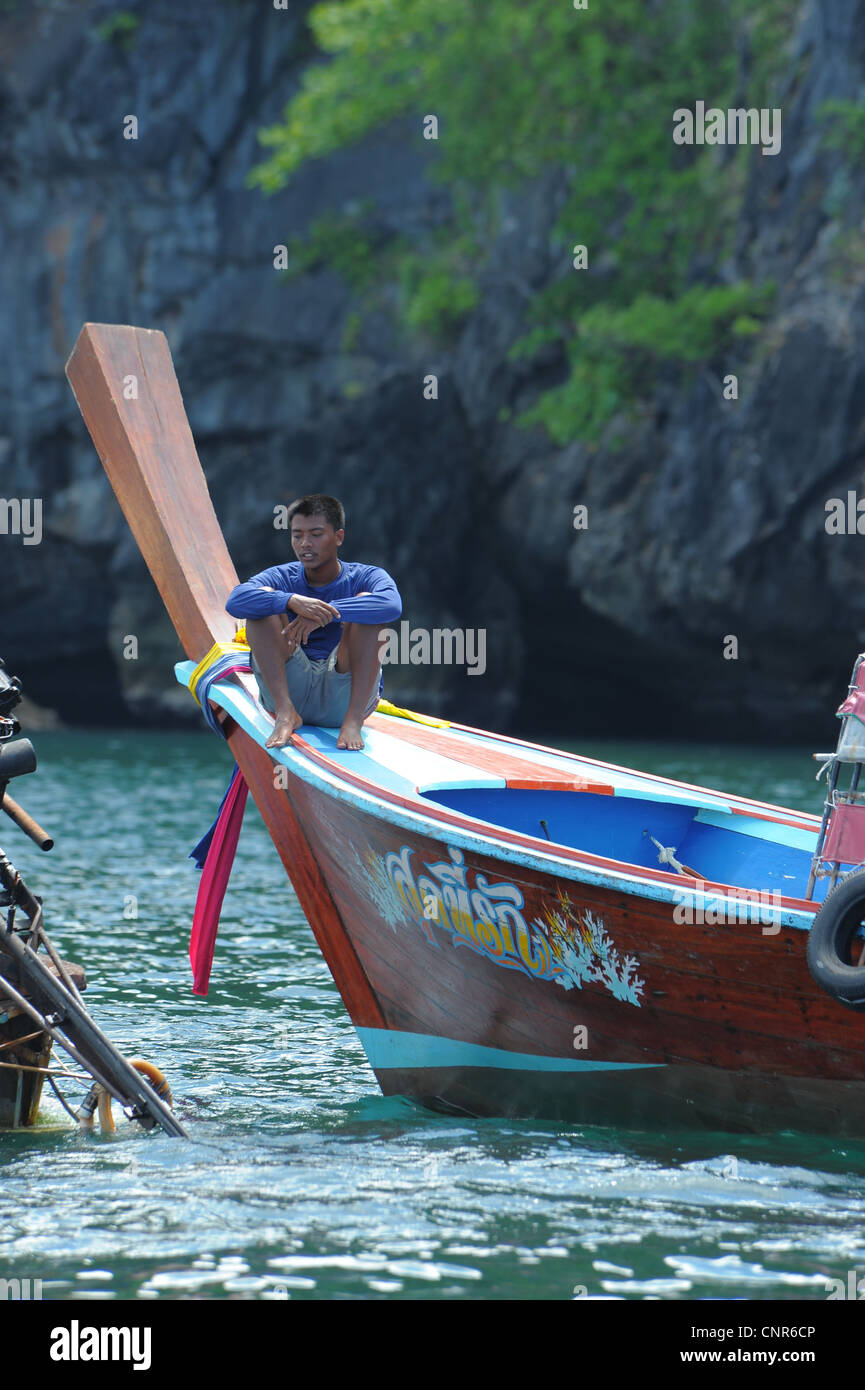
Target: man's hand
x=315, y=610
x=297, y=631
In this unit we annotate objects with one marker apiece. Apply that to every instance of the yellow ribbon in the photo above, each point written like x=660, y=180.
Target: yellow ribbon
x=239, y=647
x=385, y=707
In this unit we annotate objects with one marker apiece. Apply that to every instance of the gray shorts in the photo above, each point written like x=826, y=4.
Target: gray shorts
x=319, y=692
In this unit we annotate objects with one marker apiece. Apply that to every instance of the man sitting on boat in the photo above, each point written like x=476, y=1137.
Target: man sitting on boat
x=320, y=666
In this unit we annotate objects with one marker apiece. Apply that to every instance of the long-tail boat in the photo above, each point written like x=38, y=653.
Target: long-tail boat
x=514, y=930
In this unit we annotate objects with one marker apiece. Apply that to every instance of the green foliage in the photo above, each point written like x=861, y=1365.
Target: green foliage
x=338, y=241
x=521, y=87
x=847, y=132
x=597, y=389
x=689, y=329
x=616, y=354
x=119, y=28
x=436, y=289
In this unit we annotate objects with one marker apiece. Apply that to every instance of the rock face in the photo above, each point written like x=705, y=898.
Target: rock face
x=709, y=524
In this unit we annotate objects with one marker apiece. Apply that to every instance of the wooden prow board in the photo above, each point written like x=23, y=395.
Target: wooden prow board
x=126, y=388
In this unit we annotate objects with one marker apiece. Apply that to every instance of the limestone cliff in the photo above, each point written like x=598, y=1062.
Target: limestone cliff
x=710, y=521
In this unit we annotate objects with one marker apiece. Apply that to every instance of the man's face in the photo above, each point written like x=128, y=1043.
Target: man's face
x=314, y=541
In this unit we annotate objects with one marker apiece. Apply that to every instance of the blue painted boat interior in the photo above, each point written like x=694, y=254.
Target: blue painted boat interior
x=720, y=847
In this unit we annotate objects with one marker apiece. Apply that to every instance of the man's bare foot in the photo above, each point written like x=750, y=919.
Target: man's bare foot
x=350, y=735
x=284, y=727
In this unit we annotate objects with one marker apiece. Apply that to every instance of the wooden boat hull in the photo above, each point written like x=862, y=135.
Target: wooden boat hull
x=490, y=968
x=691, y=1033
x=513, y=977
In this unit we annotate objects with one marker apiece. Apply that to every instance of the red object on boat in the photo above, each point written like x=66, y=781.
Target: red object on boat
x=845, y=835
x=855, y=702
x=214, y=881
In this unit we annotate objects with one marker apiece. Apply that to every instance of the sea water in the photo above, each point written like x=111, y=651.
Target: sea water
x=300, y=1179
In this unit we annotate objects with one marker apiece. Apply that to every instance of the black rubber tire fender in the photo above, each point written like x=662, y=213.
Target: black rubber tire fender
x=832, y=931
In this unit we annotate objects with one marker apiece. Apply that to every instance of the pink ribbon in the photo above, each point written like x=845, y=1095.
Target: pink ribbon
x=213, y=883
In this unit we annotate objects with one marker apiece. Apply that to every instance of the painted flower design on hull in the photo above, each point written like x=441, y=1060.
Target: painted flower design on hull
x=568, y=945
x=581, y=944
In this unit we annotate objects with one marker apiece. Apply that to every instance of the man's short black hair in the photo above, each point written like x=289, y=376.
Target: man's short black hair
x=316, y=504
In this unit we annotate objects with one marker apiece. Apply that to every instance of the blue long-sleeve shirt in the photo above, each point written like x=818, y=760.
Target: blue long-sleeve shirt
x=380, y=605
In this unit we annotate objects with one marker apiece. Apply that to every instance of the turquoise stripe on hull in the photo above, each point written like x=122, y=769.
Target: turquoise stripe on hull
x=387, y=1049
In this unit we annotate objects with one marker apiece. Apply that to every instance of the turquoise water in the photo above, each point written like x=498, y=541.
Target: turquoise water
x=301, y=1180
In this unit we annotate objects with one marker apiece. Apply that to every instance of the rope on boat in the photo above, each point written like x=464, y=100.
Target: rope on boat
x=14, y=1042
x=23, y=1066
x=668, y=856
x=62, y=1099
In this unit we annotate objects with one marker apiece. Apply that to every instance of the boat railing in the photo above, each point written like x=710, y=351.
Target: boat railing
x=841, y=839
